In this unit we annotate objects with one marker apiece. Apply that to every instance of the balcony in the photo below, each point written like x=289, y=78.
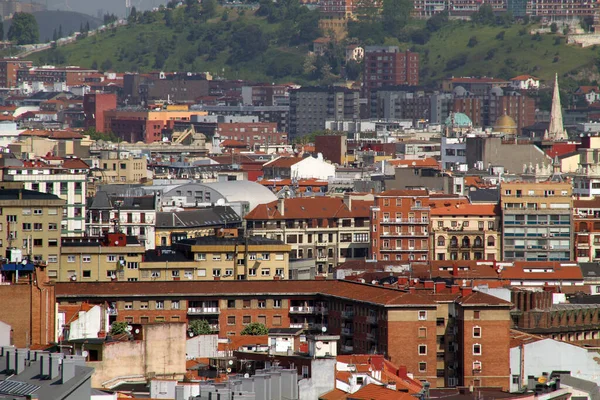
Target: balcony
x=410, y=221
x=371, y=337
x=300, y=325
x=203, y=310
x=371, y=319
x=214, y=327
x=348, y=314
x=321, y=257
x=347, y=348
x=321, y=310
x=347, y=331
x=302, y=310
x=321, y=244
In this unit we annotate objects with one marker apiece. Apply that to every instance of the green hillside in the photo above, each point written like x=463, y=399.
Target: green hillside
x=271, y=44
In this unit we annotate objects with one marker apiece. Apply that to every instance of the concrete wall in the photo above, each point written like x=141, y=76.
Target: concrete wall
x=551, y=355
x=511, y=156
x=161, y=353
x=88, y=324
x=5, y=339
x=202, y=346
x=312, y=167
x=322, y=379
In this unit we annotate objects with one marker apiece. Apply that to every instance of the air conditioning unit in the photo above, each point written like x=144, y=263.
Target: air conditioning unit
x=544, y=235
x=551, y=247
x=529, y=247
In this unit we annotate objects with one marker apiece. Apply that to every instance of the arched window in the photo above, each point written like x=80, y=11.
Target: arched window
x=466, y=242
x=491, y=241
x=583, y=227
x=441, y=241
x=478, y=242
x=454, y=241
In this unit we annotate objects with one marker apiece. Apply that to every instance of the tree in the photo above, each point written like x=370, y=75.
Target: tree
x=118, y=328
x=60, y=31
x=500, y=35
x=395, y=15
x=132, y=15
x=255, y=329
x=1, y=31
x=553, y=27
x=437, y=22
x=200, y=327
x=485, y=15
x=472, y=41
x=106, y=65
x=87, y=26
x=24, y=29
x=208, y=8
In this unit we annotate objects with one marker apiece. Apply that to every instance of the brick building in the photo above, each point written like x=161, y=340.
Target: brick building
x=333, y=147
x=253, y=134
x=8, y=71
x=94, y=105
x=388, y=66
x=72, y=76
x=484, y=110
x=586, y=228
x=419, y=331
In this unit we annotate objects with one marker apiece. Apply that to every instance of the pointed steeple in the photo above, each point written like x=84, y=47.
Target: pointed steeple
x=556, y=130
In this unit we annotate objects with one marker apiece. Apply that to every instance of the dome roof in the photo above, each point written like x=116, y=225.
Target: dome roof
x=459, y=91
x=458, y=120
x=505, y=124
x=496, y=91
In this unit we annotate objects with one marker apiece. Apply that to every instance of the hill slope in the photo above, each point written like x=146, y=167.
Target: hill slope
x=71, y=21
x=250, y=47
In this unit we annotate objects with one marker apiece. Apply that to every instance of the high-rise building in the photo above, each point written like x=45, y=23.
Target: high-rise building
x=8, y=71
x=536, y=218
x=388, y=66
x=310, y=107
x=94, y=105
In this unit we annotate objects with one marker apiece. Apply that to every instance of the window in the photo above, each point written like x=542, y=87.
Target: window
x=279, y=272
x=39, y=243
x=265, y=272
x=52, y=211
x=422, y=349
x=52, y=243
x=231, y=303
x=11, y=218
x=71, y=259
x=200, y=257
x=175, y=273
x=229, y=272
x=229, y=256
x=252, y=256
x=216, y=257
x=476, y=314
x=277, y=303
x=477, y=366
x=476, y=331
x=515, y=379
x=132, y=265
x=422, y=315
x=160, y=305
x=476, y=349
x=26, y=226
x=277, y=320
x=188, y=274
x=26, y=211
x=262, y=304
x=266, y=256
x=246, y=319
x=422, y=332
x=252, y=272
x=38, y=211
x=155, y=274
x=86, y=258
x=86, y=273
x=202, y=272
x=128, y=305
x=52, y=226
x=305, y=371
x=175, y=305
x=143, y=305
x=231, y=320
x=216, y=271
x=247, y=304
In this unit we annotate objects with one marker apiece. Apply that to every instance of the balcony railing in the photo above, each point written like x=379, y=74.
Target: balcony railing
x=203, y=310
x=321, y=310
x=371, y=319
x=302, y=309
x=346, y=331
x=371, y=336
x=214, y=327
x=347, y=348
x=405, y=221
x=348, y=314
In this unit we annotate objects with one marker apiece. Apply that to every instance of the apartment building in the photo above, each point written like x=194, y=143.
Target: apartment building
x=134, y=216
x=114, y=257
x=31, y=221
x=67, y=180
x=536, y=221
x=586, y=230
x=72, y=76
x=466, y=232
x=8, y=70
x=389, y=66
x=253, y=134
x=310, y=107
x=400, y=223
x=407, y=328
x=324, y=229
x=113, y=166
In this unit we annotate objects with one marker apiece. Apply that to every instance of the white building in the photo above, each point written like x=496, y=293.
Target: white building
x=525, y=82
x=453, y=152
x=9, y=132
x=87, y=324
x=299, y=168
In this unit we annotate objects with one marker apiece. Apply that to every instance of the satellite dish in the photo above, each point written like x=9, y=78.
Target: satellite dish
x=85, y=353
x=246, y=375
x=129, y=328
x=113, y=276
x=228, y=370
x=137, y=331
x=73, y=278
x=319, y=345
x=230, y=362
x=116, y=242
x=323, y=329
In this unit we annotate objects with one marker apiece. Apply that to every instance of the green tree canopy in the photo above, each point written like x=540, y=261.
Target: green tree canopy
x=200, y=327
x=117, y=328
x=255, y=329
x=24, y=29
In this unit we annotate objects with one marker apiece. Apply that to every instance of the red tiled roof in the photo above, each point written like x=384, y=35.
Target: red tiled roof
x=233, y=143
x=587, y=89
x=288, y=182
x=335, y=394
x=420, y=163
x=479, y=298
x=310, y=208
x=372, y=391
x=518, y=338
x=283, y=162
x=587, y=203
x=552, y=271
x=235, y=342
x=523, y=78
x=467, y=209
x=344, y=289
x=403, y=193
x=65, y=135
x=74, y=163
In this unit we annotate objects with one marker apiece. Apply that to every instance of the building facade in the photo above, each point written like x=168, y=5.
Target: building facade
x=388, y=66
x=536, y=221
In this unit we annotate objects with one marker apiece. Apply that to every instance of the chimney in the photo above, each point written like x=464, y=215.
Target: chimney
x=67, y=370
x=465, y=291
x=3, y=350
x=281, y=206
x=20, y=356
x=49, y=365
x=428, y=284
x=402, y=371
x=531, y=382
x=179, y=394
x=9, y=354
x=440, y=286
x=348, y=201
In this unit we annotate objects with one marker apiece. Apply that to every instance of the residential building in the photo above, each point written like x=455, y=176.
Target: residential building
x=94, y=105
x=8, y=71
x=400, y=223
x=560, y=9
x=402, y=103
x=525, y=82
x=327, y=230
x=298, y=168
x=134, y=216
x=32, y=224
x=114, y=257
x=254, y=135
x=265, y=95
x=44, y=376
x=407, y=328
x=119, y=167
x=310, y=107
x=71, y=76
x=536, y=221
x=388, y=66
x=277, y=114
x=586, y=229
x=67, y=180
x=466, y=232
x=333, y=147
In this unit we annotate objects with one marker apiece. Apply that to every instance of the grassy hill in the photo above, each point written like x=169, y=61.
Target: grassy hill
x=48, y=21
x=244, y=45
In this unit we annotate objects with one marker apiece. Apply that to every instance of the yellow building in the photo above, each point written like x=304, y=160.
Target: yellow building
x=536, y=219
x=465, y=232
x=30, y=223
x=116, y=257
x=214, y=258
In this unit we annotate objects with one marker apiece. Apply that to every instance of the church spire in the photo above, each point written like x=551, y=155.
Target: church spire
x=556, y=130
